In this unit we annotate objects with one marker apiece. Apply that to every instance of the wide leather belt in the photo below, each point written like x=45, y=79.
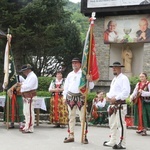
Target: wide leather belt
x=29, y=94
x=74, y=94
x=119, y=102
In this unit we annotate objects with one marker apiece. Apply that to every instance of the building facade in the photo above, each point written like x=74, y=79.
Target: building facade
x=128, y=48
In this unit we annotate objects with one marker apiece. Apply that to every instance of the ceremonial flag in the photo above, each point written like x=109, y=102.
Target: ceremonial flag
x=89, y=61
x=89, y=67
x=6, y=64
x=10, y=79
x=12, y=71
x=9, y=67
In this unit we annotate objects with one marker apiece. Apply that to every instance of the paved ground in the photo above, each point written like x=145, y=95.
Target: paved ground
x=46, y=137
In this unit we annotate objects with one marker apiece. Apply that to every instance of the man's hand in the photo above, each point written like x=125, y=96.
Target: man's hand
x=113, y=100
x=143, y=35
x=18, y=84
x=89, y=77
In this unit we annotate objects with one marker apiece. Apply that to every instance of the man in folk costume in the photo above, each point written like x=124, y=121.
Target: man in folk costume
x=28, y=90
x=141, y=100
x=74, y=99
x=119, y=91
x=16, y=104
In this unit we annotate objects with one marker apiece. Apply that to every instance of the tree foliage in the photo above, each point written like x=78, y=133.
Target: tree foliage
x=43, y=34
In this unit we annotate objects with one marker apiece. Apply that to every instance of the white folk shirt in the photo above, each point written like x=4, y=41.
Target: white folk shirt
x=72, y=83
x=143, y=94
x=119, y=88
x=52, y=85
x=101, y=104
x=21, y=79
x=30, y=83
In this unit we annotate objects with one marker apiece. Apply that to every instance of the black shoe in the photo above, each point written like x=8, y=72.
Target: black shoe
x=68, y=140
x=139, y=131
x=26, y=131
x=11, y=127
x=119, y=146
x=108, y=144
x=104, y=143
x=57, y=126
x=85, y=141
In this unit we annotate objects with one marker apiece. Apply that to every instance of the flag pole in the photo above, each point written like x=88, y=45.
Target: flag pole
x=8, y=40
x=88, y=73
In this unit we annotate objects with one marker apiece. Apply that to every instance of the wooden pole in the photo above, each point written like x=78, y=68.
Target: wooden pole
x=7, y=124
x=88, y=73
x=8, y=40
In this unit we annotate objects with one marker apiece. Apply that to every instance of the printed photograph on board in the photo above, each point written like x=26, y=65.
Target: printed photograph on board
x=127, y=29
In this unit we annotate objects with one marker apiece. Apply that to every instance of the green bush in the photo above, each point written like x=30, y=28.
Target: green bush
x=91, y=96
x=2, y=93
x=44, y=83
x=44, y=93
x=133, y=81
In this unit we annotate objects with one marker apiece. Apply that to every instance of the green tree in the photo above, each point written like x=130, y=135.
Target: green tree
x=43, y=34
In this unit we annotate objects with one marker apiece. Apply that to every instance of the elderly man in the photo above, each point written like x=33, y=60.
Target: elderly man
x=74, y=99
x=143, y=35
x=119, y=91
x=110, y=35
x=28, y=90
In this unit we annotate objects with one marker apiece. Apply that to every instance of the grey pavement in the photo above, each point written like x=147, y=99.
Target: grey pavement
x=45, y=137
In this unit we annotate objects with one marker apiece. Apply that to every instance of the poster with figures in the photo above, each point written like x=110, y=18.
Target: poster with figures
x=127, y=29
x=114, y=3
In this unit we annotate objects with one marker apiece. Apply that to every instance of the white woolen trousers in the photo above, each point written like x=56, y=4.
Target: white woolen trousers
x=28, y=110
x=72, y=117
x=115, y=123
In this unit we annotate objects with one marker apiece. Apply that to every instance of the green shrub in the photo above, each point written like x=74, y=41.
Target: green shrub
x=2, y=93
x=44, y=83
x=44, y=93
x=91, y=96
x=133, y=81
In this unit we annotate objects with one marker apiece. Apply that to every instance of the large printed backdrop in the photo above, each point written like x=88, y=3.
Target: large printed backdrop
x=114, y=3
x=130, y=25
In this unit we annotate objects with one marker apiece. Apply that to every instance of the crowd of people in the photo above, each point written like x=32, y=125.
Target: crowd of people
x=66, y=99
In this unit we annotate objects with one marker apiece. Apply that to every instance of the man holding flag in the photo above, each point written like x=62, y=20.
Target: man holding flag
x=78, y=83
x=13, y=111
x=74, y=98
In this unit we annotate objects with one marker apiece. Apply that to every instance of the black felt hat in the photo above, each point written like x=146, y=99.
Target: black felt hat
x=25, y=67
x=76, y=59
x=116, y=64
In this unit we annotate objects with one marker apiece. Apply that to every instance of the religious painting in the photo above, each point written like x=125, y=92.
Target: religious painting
x=127, y=29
